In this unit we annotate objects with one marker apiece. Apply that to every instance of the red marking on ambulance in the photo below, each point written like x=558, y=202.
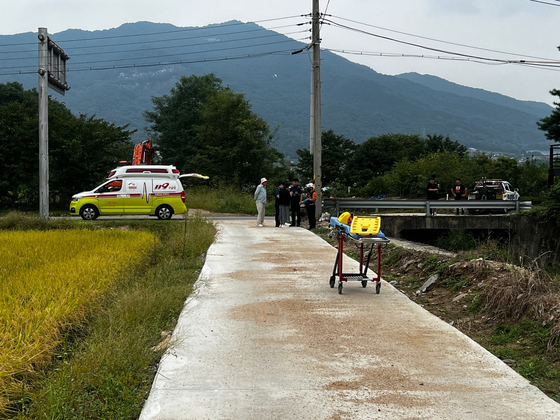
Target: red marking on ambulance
x=145, y=194
x=161, y=186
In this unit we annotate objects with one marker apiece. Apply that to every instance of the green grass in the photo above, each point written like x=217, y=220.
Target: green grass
x=457, y=241
x=475, y=304
x=434, y=265
x=393, y=256
x=104, y=368
x=227, y=200
x=525, y=343
x=455, y=282
x=411, y=281
x=16, y=220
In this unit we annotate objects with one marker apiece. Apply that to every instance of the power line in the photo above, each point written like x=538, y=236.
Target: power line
x=162, y=32
x=159, y=47
x=548, y=65
x=476, y=57
x=286, y=52
x=189, y=53
x=545, y=2
x=439, y=40
x=207, y=60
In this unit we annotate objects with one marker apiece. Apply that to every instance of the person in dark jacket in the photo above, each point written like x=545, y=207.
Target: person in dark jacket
x=432, y=192
x=310, y=205
x=284, y=205
x=296, y=194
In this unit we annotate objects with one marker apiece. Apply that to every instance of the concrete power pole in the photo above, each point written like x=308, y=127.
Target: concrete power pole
x=52, y=74
x=316, y=108
x=43, y=124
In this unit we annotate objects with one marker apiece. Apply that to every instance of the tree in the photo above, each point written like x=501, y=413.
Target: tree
x=204, y=127
x=81, y=150
x=235, y=144
x=336, y=154
x=436, y=143
x=377, y=155
x=175, y=118
x=551, y=124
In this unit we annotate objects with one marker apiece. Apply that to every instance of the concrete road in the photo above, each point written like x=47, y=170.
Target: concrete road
x=265, y=337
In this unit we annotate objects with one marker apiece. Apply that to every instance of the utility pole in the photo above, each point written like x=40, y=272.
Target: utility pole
x=43, y=124
x=315, y=134
x=52, y=74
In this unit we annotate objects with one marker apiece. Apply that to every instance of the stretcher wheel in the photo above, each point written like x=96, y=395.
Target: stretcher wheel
x=339, y=287
x=364, y=283
x=331, y=282
x=378, y=287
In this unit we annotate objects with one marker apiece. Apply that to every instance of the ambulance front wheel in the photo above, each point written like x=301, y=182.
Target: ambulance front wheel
x=164, y=212
x=89, y=212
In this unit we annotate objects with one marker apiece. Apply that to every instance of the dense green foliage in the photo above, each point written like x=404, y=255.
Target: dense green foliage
x=551, y=210
x=400, y=165
x=409, y=178
x=204, y=127
x=336, y=153
x=82, y=150
x=551, y=124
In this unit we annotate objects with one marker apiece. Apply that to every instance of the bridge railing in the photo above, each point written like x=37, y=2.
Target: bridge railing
x=349, y=204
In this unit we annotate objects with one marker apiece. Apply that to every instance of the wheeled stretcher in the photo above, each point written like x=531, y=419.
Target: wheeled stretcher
x=364, y=232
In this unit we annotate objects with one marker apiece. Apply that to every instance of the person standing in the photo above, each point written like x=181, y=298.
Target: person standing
x=432, y=190
x=260, y=200
x=296, y=197
x=277, y=205
x=284, y=204
x=310, y=204
x=459, y=191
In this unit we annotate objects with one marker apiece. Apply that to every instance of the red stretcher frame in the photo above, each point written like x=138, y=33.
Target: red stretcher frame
x=362, y=274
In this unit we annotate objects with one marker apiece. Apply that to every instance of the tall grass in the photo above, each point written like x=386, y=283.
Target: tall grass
x=15, y=220
x=47, y=279
x=105, y=370
x=226, y=200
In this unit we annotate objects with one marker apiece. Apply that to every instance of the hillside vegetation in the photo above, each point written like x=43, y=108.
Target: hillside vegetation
x=357, y=101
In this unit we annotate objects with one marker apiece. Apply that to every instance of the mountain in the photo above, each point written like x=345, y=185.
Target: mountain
x=114, y=73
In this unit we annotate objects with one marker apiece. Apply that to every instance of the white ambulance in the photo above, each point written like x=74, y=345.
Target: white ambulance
x=154, y=190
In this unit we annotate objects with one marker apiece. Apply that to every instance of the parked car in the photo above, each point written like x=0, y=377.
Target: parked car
x=492, y=189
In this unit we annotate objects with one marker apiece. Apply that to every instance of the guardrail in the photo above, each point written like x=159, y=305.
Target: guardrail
x=349, y=203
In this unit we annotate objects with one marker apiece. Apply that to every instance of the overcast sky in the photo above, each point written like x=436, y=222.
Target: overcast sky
x=499, y=29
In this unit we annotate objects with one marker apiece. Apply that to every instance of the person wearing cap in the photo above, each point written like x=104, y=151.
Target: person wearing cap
x=260, y=200
x=310, y=203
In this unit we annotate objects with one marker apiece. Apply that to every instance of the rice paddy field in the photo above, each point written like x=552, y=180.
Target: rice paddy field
x=48, y=279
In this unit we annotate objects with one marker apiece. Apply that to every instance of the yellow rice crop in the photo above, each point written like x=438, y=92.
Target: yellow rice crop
x=47, y=280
